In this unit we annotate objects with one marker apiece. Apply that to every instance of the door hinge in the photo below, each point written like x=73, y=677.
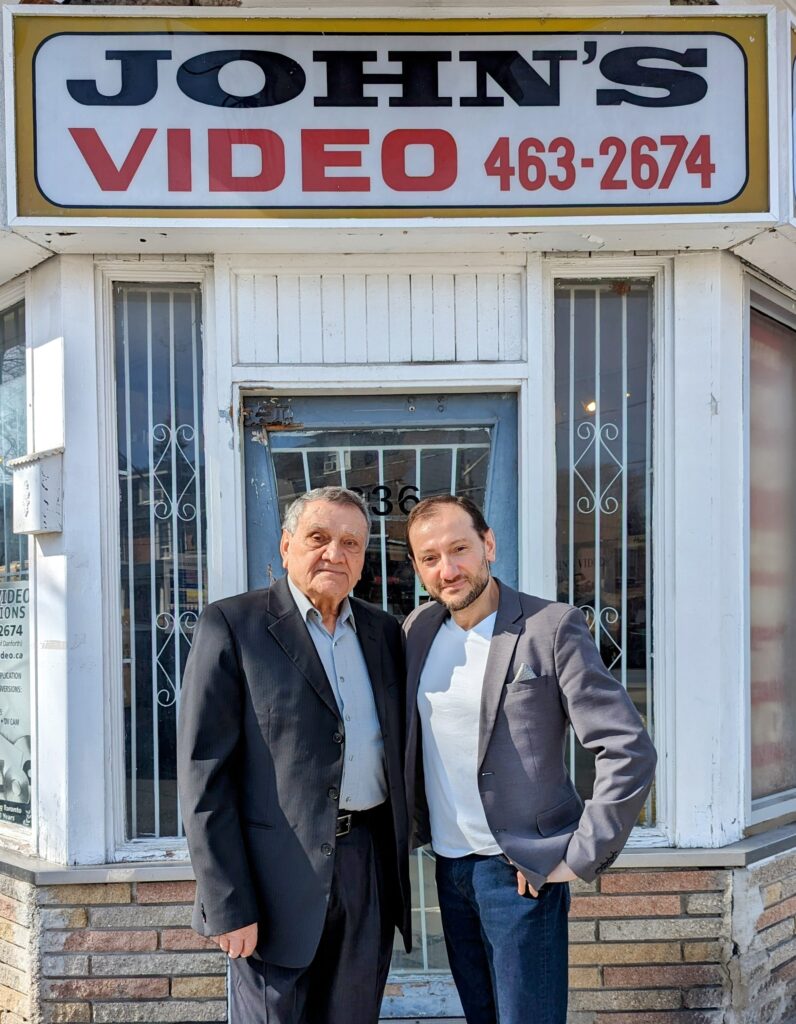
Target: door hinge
x=269, y=414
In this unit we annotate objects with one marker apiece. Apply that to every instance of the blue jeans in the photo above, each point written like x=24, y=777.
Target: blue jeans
x=508, y=953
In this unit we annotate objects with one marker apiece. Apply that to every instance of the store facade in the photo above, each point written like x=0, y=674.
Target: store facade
x=546, y=262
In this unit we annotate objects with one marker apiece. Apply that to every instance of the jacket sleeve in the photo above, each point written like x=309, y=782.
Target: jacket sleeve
x=208, y=733
x=606, y=722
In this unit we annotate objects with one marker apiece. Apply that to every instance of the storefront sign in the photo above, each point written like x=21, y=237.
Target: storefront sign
x=222, y=116
x=15, y=732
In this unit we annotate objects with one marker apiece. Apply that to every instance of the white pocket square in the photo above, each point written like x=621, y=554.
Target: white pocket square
x=524, y=674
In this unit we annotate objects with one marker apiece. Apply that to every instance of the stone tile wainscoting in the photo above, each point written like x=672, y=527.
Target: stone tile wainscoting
x=666, y=937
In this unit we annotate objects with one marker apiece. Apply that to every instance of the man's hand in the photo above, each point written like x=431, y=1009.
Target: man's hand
x=241, y=942
x=560, y=873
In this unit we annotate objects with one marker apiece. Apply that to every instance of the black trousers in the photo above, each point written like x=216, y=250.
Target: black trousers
x=345, y=982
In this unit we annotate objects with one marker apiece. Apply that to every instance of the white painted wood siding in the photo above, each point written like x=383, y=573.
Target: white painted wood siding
x=365, y=318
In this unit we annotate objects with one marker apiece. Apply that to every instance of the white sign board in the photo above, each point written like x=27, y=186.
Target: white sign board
x=565, y=115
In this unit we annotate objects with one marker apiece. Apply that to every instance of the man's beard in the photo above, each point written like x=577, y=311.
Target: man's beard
x=478, y=585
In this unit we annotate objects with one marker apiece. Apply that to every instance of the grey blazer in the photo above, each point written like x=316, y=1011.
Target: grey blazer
x=543, y=672
x=260, y=750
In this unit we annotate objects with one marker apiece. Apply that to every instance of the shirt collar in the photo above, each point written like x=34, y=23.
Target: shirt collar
x=307, y=608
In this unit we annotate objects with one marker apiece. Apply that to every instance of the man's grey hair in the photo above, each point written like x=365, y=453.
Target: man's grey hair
x=335, y=495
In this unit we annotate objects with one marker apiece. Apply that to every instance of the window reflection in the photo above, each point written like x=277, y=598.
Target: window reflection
x=772, y=386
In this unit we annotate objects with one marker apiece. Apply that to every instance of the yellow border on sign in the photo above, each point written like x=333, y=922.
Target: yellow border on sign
x=749, y=31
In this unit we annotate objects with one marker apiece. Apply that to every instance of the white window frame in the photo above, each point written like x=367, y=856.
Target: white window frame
x=18, y=837
x=780, y=305
x=107, y=274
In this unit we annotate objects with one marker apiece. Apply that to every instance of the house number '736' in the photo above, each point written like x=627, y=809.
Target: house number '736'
x=407, y=498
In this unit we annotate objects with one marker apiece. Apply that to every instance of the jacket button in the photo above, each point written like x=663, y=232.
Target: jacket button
x=332, y=792
x=338, y=737
x=326, y=850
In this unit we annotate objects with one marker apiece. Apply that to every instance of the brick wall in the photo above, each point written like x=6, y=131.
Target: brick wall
x=125, y=952
x=765, y=933
x=667, y=946
x=18, y=975
x=651, y=947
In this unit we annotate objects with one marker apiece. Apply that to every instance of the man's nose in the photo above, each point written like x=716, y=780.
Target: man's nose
x=333, y=552
x=449, y=569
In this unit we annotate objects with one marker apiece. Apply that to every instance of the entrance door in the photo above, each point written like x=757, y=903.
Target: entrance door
x=394, y=450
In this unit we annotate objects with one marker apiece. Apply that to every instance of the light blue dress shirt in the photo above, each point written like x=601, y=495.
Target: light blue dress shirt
x=364, y=782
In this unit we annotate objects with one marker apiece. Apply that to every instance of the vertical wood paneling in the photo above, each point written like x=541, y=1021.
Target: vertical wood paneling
x=289, y=318
x=356, y=337
x=466, y=296
x=400, y=309
x=488, y=340
x=422, y=289
x=378, y=318
x=444, y=318
x=311, y=330
x=511, y=316
x=266, y=319
x=294, y=318
x=333, y=308
x=245, y=327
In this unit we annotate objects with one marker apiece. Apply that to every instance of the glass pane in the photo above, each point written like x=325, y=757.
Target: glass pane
x=471, y=470
x=428, y=945
x=772, y=385
x=603, y=338
x=435, y=471
x=324, y=468
x=291, y=478
x=15, y=724
x=162, y=521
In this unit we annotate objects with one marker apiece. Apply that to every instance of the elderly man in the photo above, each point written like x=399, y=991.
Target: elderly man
x=290, y=777
x=494, y=678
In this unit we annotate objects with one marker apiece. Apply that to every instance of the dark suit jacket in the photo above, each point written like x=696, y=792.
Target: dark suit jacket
x=543, y=672
x=260, y=753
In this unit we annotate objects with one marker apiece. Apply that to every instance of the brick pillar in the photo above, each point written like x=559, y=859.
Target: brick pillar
x=123, y=952
x=18, y=959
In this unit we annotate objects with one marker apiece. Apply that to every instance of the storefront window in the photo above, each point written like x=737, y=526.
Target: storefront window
x=15, y=730
x=772, y=387
x=603, y=337
x=162, y=527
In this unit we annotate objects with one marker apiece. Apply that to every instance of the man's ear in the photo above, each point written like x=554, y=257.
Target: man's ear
x=284, y=544
x=491, y=546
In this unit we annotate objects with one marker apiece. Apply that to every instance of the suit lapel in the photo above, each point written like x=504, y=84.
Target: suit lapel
x=290, y=632
x=419, y=641
x=508, y=626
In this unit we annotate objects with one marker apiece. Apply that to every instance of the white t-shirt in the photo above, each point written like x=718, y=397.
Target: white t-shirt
x=449, y=704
